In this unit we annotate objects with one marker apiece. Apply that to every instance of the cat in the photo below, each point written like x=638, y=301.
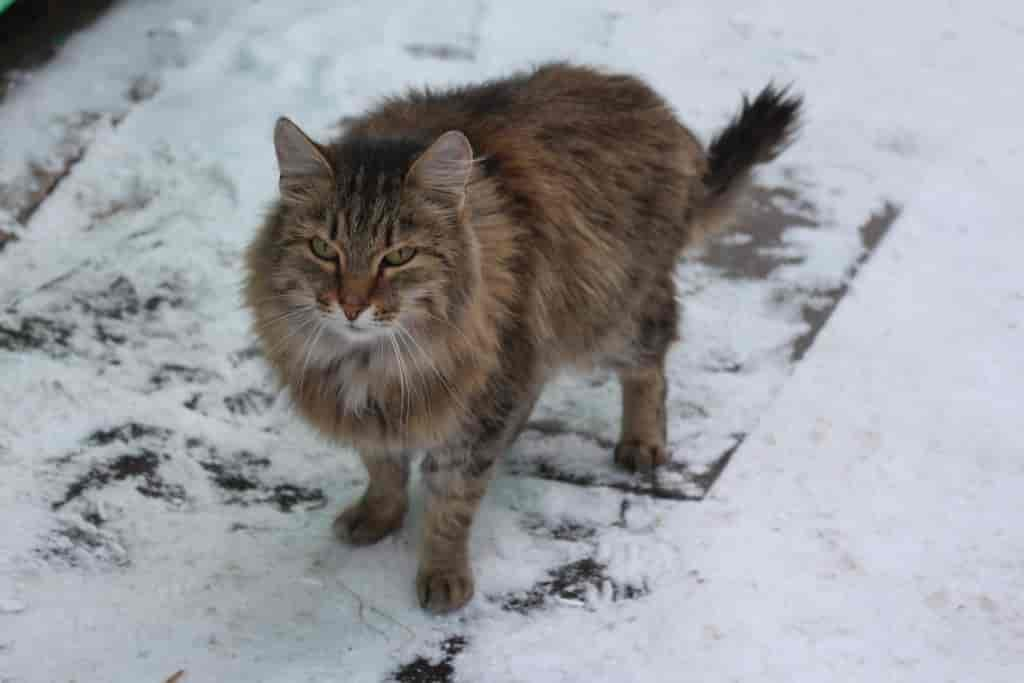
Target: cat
x=419, y=279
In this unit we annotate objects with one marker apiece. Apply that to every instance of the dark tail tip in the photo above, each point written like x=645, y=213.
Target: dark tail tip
x=760, y=132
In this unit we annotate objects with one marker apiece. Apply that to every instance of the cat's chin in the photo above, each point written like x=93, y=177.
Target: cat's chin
x=354, y=337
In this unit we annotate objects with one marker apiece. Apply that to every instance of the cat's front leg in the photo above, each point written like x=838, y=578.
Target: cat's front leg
x=455, y=479
x=382, y=508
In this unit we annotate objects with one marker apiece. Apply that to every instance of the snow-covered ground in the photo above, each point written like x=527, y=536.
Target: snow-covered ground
x=842, y=507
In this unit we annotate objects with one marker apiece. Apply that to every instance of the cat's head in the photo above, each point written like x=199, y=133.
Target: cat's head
x=370, y=239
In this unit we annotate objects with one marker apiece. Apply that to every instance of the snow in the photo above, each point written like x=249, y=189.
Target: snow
x=10, y=606
x=166, y=511
x=92, y=83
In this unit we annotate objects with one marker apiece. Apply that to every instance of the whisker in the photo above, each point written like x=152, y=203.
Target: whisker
x=284, y=316
x=275, y=297
x=450, y=324
x=280, y=345
x=422, y=380
x=310, y=345
x=401, y=382
x=433, y=366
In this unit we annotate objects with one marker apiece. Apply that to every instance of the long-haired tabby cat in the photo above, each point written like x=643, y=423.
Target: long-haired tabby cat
x=421, y=278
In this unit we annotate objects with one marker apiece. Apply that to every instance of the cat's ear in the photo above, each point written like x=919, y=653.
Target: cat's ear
x=445, y=167
x=302, y=165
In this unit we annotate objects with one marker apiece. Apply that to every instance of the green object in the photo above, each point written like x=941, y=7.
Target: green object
x=4, y=4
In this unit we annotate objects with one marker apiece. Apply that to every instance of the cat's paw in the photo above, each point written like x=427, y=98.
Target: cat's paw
x=364, y=523
x=640, y=456
x=444, y=590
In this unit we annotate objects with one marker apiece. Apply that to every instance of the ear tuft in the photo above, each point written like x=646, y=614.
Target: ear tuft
x=300, y=161
x=446, y=165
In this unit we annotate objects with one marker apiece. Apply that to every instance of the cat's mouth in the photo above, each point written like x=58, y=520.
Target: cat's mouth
x=363, y=329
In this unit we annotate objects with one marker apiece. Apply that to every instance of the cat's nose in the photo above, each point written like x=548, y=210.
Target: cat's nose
x=354, y=294
x=352, y=310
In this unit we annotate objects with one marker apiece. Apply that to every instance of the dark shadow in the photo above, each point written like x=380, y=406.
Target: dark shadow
x=32, y=31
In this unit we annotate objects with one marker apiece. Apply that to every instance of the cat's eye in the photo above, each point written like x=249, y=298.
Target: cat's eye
x=321, y=248
x=399, y=257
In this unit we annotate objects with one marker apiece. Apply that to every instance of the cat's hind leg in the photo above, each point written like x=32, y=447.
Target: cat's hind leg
x=643, y=438
x=382, y=508
x=642, y=442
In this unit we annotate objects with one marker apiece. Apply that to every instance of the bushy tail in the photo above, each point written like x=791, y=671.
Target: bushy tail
x=761, y=130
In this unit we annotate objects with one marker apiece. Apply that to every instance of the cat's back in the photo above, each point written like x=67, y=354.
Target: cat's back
x=554, y=108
